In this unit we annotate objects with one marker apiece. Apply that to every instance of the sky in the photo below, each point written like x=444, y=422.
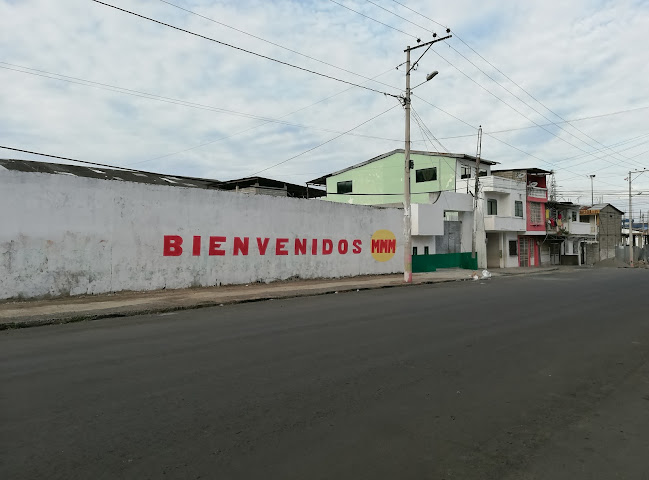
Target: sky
x=567, y=80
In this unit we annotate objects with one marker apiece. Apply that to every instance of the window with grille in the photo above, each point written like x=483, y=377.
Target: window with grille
x=535, y=214
x=513, y=248
x=465, y=172
x=518, y=208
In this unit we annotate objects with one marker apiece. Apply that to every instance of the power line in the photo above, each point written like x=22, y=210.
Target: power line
x=508, y=78
x=375, y=20
x=243, y=49
x=277, y=44
x=498, y=139
x=175, y=101
x=260, y=125
x=323, y=143
x=619, y=112
x=402, y=18
x=74, y=160
x=425, y=128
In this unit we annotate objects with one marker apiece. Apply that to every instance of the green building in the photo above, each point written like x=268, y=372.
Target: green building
x=379, y=180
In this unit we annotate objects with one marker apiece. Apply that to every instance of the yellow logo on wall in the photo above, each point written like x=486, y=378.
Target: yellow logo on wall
x=384, y=245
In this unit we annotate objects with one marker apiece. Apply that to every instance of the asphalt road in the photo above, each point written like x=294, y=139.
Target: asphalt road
x=538, y=377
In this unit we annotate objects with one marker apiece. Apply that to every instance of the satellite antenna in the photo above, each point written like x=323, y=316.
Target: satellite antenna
x=533, y=184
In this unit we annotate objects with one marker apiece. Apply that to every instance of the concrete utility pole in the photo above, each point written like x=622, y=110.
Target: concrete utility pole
x=630, y=226
x=474, y=246
x=631, y=217
x=407, y=228
x=592, y=198
x=407, y=214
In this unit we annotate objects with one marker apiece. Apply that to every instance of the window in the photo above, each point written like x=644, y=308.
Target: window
x=414, y=251
x=492, y=207
x=518, y=208
x=513, y=248
x=426, y=175
x=483, y=173
x=574, y=216
x=465, y=172
x=451, y=216
x=425, y=250
x=535, y=213
x=344, y=187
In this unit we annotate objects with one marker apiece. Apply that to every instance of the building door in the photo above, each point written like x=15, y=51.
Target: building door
x=523, y=252
x=493, y=250
x=527, y=253
x=555, y=254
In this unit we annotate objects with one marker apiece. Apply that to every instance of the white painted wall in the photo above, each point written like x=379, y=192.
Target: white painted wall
x=509, y=260
x=66, y=235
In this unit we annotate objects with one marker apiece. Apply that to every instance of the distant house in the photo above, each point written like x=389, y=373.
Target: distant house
x=567, y=234
x=267, y=186
x=379, y=180
x=526, y=247
x=606, y=221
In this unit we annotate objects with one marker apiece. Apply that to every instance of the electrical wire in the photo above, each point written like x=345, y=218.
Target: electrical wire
x=243, y=49
x=276, y=44
x=175, y=101
x=323, y=143
x=75, y=160
x=510, y=79
x=375, y=20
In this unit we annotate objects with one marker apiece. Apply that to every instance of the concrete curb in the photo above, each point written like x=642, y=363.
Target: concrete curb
x=153, y=310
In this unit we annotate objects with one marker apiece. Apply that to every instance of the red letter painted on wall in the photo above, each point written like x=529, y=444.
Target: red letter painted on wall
x=262, y=245
x=172, y=246
x=357, y=246
x=215, y=243
x=280, y=246
x=343, y=246
x=327, y=246
x=300, y=246
x=241, y=245
x=196, y=250
x=314, y=246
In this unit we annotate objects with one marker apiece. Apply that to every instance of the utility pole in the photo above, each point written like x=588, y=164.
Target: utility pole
x=407, y=214
x=474, y=246
x=592, y=198
x=631, y=216
x=407, y=249
x=630, y=226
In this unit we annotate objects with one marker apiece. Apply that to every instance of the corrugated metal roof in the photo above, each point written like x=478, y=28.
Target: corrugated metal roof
x=107, y=173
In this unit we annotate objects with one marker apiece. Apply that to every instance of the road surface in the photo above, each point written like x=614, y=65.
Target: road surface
x=537, y=377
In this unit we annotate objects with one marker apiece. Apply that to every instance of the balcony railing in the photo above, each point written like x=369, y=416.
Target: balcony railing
x=504, y=224
x=537, y=192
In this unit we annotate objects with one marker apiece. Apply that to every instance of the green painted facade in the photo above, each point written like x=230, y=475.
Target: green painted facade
x=430, y=263
x=381, y=182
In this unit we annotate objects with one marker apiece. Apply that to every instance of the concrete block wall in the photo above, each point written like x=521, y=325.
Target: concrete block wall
x=67, y=235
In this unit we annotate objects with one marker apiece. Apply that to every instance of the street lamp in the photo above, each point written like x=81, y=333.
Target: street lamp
x=407, y=254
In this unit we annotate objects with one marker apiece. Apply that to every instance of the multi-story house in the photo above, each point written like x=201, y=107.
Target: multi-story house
x=567, y=234
x=379, y=180
x=605, y=222
x=442, y=202
x=526, y=247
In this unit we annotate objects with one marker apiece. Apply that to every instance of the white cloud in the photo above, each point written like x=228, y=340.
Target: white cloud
x=580, y=58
